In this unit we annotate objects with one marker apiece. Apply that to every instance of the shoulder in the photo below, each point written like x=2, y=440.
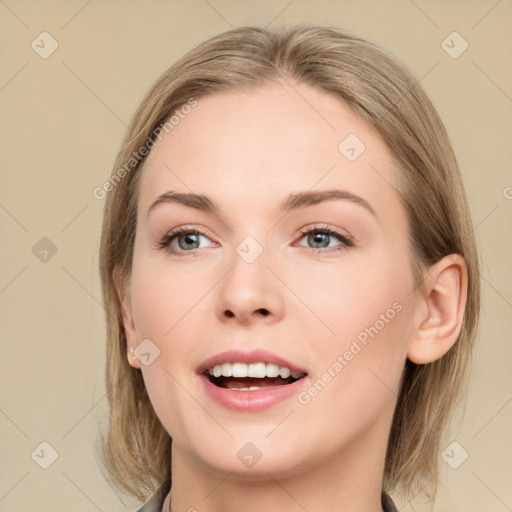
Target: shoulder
x=156, y=501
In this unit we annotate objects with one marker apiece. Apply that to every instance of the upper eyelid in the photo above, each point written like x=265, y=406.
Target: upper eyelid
x=305, y=230
x=188, y=229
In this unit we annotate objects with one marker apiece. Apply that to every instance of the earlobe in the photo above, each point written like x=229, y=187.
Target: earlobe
x=128, y=323
x=441, y=310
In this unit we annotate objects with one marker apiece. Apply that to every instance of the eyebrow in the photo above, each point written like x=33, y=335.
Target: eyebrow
x=292, y=202
x=197, y=201
x=309, y=198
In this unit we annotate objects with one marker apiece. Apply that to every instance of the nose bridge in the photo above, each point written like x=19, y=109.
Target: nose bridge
x=249, y=290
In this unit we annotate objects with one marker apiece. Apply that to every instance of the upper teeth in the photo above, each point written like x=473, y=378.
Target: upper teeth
x=257, y=370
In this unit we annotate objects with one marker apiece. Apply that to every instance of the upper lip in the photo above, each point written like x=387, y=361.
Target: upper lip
x=254, y=356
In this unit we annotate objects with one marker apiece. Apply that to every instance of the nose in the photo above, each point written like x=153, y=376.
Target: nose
x=250, y=293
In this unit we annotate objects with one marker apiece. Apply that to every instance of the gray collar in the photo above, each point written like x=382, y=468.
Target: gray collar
x=155, y=503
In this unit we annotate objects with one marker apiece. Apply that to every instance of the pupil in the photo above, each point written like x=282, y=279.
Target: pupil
x=319, y=238
x=189, y=239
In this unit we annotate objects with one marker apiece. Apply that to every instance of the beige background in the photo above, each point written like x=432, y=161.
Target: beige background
x=62, y=121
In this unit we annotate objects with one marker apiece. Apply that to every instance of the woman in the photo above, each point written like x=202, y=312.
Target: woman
x=291, y=280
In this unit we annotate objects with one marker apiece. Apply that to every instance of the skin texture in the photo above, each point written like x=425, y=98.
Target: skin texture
x=248, y=151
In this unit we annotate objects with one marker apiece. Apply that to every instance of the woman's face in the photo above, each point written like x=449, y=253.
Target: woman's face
x=282, y=275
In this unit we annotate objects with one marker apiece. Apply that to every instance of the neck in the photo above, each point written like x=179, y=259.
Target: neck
x=348, y=480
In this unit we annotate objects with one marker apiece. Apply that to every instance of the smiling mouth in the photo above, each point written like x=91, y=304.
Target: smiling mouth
x=251, y=377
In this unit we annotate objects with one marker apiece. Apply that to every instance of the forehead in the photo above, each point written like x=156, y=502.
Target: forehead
x=258, y=145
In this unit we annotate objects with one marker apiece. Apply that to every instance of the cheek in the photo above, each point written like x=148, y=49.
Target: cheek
x=351, y=294
x=162, y=296
x=366, y=309
x=357, y=374
x=162, y=304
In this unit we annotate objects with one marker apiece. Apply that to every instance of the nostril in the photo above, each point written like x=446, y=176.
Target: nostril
x=262, y=311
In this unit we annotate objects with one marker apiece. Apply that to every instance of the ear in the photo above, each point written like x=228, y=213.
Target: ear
x=128, y=323
x=440, y=310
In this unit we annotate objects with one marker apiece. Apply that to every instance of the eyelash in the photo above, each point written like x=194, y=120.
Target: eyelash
x=345, y=239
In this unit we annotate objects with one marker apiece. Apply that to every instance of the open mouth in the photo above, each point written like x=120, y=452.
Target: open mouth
x=251, y=377
x=249, y=383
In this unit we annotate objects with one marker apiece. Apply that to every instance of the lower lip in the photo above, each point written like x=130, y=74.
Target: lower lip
x=251, y=401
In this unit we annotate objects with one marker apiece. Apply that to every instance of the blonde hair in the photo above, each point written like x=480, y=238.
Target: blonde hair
x=136, y=449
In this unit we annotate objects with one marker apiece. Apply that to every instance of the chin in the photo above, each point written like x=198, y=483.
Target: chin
x=258, y=459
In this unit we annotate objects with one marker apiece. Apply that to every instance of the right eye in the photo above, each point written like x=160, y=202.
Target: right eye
x=182, y=239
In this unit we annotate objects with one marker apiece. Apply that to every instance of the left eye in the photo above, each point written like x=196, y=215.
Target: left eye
x=321, y=238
